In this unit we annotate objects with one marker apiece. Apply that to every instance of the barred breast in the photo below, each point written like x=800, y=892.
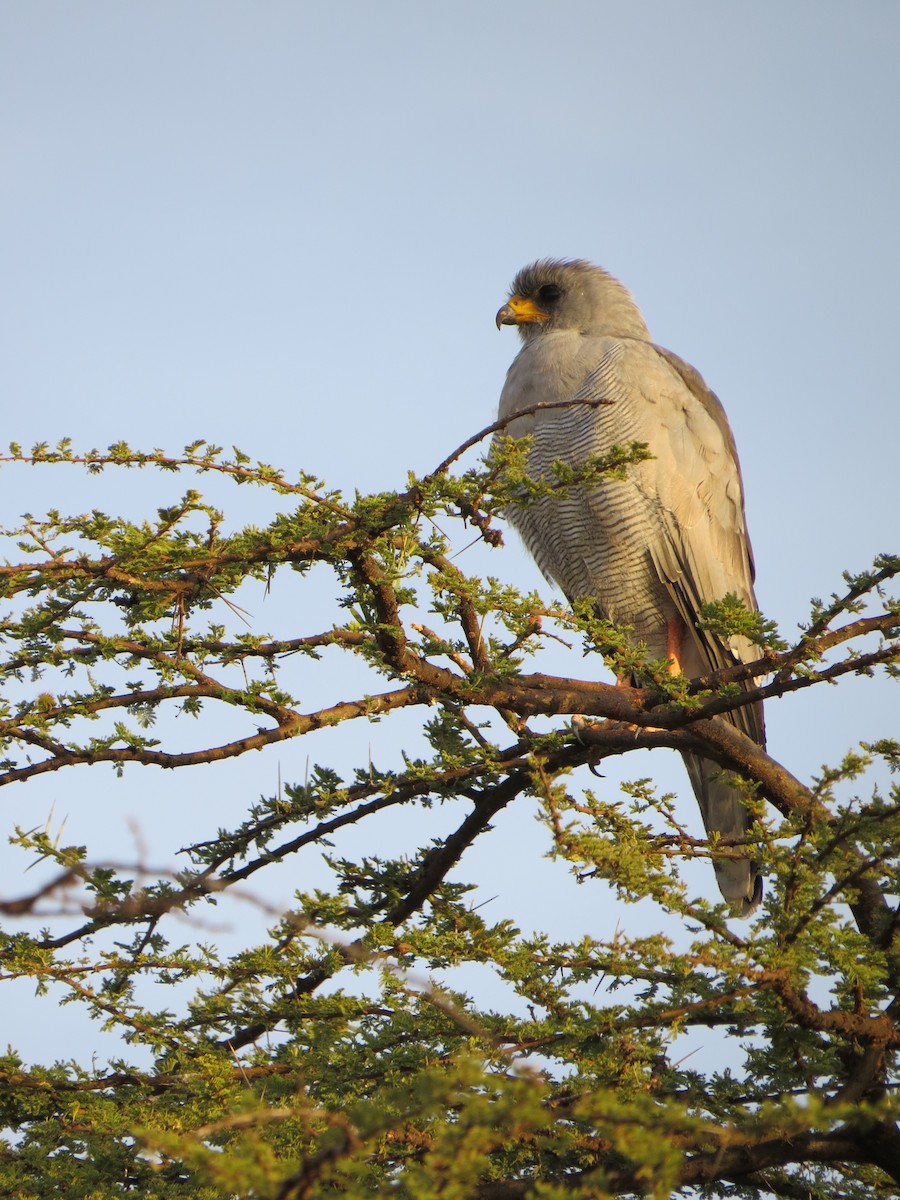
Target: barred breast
x=592, y=541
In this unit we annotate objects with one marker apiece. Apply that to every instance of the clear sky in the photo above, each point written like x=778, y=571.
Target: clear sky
x=289, y=225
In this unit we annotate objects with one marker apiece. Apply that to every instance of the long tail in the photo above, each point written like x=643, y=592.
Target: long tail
x=724, y=813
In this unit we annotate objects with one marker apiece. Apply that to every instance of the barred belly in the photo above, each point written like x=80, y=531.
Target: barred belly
x=593, y=541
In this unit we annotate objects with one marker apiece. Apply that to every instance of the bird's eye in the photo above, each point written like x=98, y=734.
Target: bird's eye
x=549, y=293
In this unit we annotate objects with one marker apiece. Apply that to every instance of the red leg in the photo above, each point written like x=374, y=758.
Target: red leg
x=674, y=635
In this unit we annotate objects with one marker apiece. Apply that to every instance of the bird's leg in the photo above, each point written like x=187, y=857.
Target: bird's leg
x=674, y=639
x=675, y=630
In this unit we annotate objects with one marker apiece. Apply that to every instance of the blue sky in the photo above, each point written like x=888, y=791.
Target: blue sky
x=288, y=226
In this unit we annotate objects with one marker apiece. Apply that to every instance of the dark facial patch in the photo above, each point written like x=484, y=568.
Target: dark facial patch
x=549, y=293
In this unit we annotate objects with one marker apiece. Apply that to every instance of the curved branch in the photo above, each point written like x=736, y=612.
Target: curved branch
x=292, y=725
x=732, y=1163
x=503, y=422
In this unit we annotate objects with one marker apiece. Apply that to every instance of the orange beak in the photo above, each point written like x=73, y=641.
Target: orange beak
x=521, y=310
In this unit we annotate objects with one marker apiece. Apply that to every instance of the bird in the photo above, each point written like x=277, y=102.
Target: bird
x=650, y=548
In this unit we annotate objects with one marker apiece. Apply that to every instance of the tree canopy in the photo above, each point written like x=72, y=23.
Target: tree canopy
x=386, y=1034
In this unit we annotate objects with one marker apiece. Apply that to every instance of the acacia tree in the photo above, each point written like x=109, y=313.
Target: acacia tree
x=325, y=1059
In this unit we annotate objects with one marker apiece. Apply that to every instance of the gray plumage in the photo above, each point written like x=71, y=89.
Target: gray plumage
x=649, y=549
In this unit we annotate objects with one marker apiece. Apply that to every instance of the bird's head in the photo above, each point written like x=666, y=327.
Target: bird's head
x=554, y=294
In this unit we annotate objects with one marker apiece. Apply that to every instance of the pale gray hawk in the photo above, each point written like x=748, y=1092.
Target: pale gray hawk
x=649, y=549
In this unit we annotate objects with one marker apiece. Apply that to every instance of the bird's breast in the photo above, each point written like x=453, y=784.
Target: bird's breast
x=592, y=541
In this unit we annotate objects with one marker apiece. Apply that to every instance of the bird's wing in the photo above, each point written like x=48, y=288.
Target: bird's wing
x=711, y=403
x=704, y=552
x=700, y=552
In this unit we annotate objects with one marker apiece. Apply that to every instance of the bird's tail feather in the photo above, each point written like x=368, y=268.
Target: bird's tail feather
x=725, y=814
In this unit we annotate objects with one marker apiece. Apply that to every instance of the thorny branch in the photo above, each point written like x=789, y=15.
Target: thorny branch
x=82, y=617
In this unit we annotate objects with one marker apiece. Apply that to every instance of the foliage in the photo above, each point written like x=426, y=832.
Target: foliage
x=327, y=1058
